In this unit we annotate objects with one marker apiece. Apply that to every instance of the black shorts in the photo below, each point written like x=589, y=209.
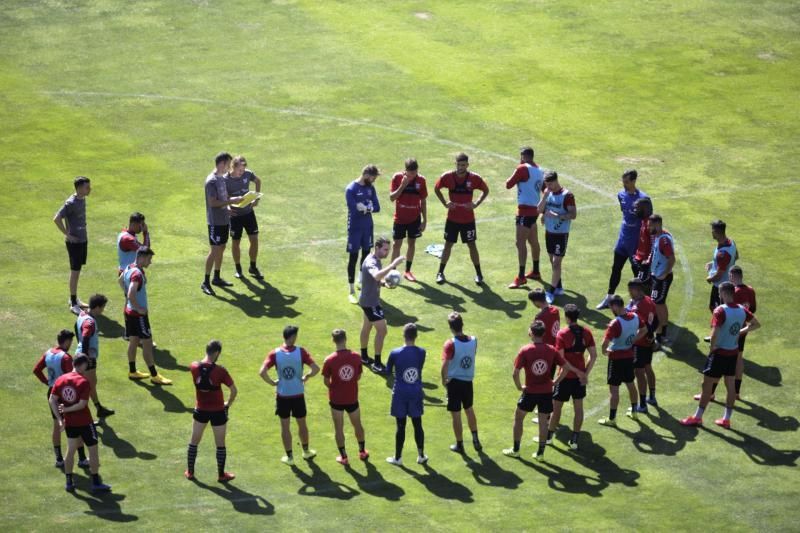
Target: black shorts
x=661, y=289
x=642, y=356
x=350, y=407
x=713, y=299
x=87, y=433
x=374, y=314
x=412, y=230
x=641, y=270
x=742, y=338
x=719, y=365
x=569, y=388
x=459, y=394
x=556, y=243
x=620, y=371
x=77, y=252
x=527, y=221
x=138, y=326
x=217, y=418
x=529, y=402
x=294, y=406
x=218, y=235
x=247, y=222
x=467, y=231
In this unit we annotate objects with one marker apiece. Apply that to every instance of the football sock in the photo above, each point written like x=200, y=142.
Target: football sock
x=521, y=271
x=478, y=270
x=460, y=444
x=69, y=479
x=377, y=358
x=191, y=457
x=342, y=452
x=441, y=267
x=408, y=266
x=305, y=447
x=361, y=445
x=559, y=286
x=633, y=407
x=238, y=268
x=399, y=438
x=222, y=455
x=738, y=383
x=253, y=264
x=653, y=393
x=642, y=400
x=216, y=274
x=153, y=371
x=96, y=479
x=728, y=413
x=207, y=279
x=699, y=412
x=516, y=445
x=419, y=434
x=540, y=451
x=289, y=454
x=550, y=434
x=364, y=353
x=475, y=435
x=81, y=453
x=574, y=437
x=536, y=265
x=131, y=367
x=57, y=451
x=73, y=299
x=351, y=267
x=612, y=414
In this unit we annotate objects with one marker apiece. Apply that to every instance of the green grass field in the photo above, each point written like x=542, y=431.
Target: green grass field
x=700, y=97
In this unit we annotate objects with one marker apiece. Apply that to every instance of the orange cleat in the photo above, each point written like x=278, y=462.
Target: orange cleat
x=533, y=275
x=517, y=283
x=723, y=423
x=692, y=421
x=409, y=276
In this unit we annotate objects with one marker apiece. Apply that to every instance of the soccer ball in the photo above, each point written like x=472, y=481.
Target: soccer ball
x=392, y=279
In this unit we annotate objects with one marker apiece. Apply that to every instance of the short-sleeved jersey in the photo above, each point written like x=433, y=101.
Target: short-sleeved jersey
x=560, y=203
x=631, y=223
x=461, y=191
x=574, y=340
x=343, y=368
x=643, y=249
x=133, y=275
x=289, y=369
x=70, y=389
x=208, y=379
x=127, y=246
x=239, y=187
x=729, y=319
x=215, y=189
x=552, y=323
x=537, y=359
x=529, y=182
x=56, y=361
x=73, y=212
x=645, y=309
x=620, y=333
x=370, y=295
x=408, y=206
x=723, y=260
x=355, y=194
x=407, y=363
x=745, y=296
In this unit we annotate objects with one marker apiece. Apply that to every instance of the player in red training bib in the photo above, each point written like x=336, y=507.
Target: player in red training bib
x=341, y=372
x=745, y=296
x=69, y=402
x=572, y=342
x=461, y=185
x=409, y=192
x=210, y=406
x=536, y=359
x=645, y=309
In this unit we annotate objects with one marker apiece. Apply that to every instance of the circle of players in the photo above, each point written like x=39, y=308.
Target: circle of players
x=636, y=331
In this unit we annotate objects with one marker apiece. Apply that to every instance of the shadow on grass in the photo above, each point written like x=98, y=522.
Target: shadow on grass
x=242, y=501
x=598, y=320
x=439, y=485
x=431, y=401
x=488, y=299
x=164, y=359
x=375, y=484
x=397, y=318
x=647, y=440
x=432, y=295
x=756, y=449
x=769, y=375
x=488, y=473
x=767, y=419
x=121, y=447
x=105, y=506
x=320, y=484
x=591, y=456
x=265, y=300
x=172, y=404
x=109, y=328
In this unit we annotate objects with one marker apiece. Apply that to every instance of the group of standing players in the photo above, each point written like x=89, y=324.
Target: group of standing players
x=636, y=331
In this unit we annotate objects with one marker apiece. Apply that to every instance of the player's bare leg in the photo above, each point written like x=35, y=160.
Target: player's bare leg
x=410, y=251
x=633, y=397
x=286, y=434
x=651, y=380
x=94, y=460
x=458, y=429
x=397, y=246
x=302, y=430
x=222, y=453
x=476, y=261
x=739, y=372
x=236, y=251
x=519, y=419
x=448, y=247
x=197, y=432
x=577, y=420
x=366, y=328
x=91, y=375
x=641, y=384
x=533, y=241
x=380, y=335
x=555, y=278
x=147, y=355
x=358, y=429
x=338, y=427
x=133, y=345
x=74, y=276
x=730, y=401
x=555, y=416
x=662, y=312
